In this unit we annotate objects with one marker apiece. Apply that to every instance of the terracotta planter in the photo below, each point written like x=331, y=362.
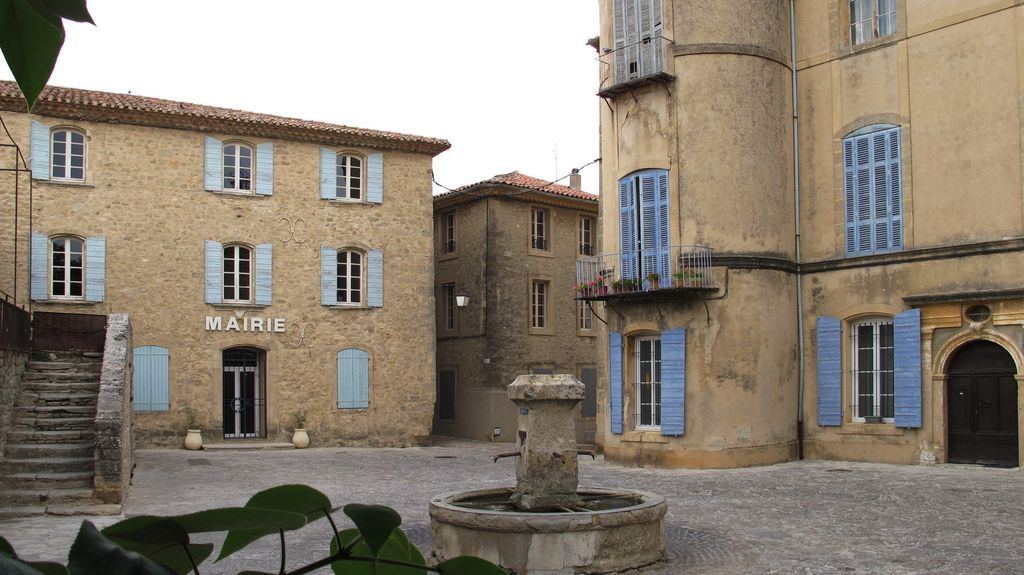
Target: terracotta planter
x=300, y=439
x=194, y=439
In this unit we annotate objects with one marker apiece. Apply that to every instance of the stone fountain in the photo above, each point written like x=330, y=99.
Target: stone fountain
x=547, y=525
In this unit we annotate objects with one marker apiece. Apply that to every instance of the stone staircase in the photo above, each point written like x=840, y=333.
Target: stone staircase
x=48, y=465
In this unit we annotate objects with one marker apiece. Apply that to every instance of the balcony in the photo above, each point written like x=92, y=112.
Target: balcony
x=681, y=272
x=635, y=65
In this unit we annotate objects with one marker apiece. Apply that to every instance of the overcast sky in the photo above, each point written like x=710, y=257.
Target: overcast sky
x=510, y=84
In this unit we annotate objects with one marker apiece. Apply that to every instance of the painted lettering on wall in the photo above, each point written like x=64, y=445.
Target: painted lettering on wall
x=250, y=324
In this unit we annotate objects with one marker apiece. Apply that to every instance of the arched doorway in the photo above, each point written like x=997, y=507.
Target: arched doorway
x=244, y=393
x=981, y=398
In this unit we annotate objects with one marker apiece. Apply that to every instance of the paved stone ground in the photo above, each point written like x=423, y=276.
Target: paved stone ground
x=794, y=518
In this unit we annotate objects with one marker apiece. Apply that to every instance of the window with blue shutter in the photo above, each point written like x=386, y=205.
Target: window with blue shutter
x=353, y=379
x=265, y=169
x=328, y=174
x=615, y=381
x=907, y=368
x=375, y=178
x=152, y=371
x=264, y=274
x=214, y=165
x=872, y=190
x=213, y=276
x=644, y=224
x=636, y=32
x=328, y=276
x=40, y=150
x=95, y=268
x=673, y=382
x=375, y=278
x=830, y=370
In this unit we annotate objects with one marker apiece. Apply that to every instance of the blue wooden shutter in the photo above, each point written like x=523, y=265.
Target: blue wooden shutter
x=328, y=174
x=214, y=275
x=328, y=276
x=40, y=145
x=895, y=188
x=95, y=268
x=375, y=278
x=654, y=223
x=214, y=172
x=907, y=368
x=353, y=379
x=619, y=40
x=265, y=169
x=872, y=188
x=673, y=382
x=662, y=234
x=615, y=381
x=830, y=371
x=39, y=275
x=375, y=178
x=151, y=364
x=264, y=274
x=850, y=195
x=628, y=256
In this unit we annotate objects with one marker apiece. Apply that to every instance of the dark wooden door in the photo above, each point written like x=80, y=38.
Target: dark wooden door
x=982, y=404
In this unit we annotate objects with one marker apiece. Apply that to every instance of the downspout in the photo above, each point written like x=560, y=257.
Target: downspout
x=796, y=239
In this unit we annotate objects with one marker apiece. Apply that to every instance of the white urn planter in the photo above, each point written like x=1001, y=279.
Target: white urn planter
x=194, y=439
x=300, y=439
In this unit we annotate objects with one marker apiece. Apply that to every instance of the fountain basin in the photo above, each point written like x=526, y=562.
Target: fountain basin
x=550, y=543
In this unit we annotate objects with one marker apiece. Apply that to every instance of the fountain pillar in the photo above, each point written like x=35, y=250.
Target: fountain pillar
x=546, y=471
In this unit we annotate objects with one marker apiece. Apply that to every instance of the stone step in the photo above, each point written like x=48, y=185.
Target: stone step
x=21, y=436
x=45, y=497
x=54, y=411
x=49, y=450
x=48, y=465
x=35, y=398
x=60, y=509
x=43, y=386
x=44, y=481
x=59, y=376
x=55, y=423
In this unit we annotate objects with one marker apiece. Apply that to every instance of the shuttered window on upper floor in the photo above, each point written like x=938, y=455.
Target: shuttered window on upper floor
x=239, y=167
x=351, y=177
x=238, y=274
x=637, y=30
x=873, y=191
x=65, y=267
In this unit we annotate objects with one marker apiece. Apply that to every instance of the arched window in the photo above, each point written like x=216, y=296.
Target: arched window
x=349, y=177
x=873, y=190
x=238, y=164
x=350, y=276
x=67, y=267
x=237, y=273
x=67, y=155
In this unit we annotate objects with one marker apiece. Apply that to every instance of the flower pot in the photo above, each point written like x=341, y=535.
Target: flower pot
x=194, y=439
x=655, y=284
x=300, y=439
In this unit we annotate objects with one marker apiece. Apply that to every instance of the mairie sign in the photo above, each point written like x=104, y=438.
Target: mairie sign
x=248, y=324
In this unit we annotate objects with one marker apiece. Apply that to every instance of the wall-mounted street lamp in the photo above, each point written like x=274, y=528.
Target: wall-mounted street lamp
x=462, y=298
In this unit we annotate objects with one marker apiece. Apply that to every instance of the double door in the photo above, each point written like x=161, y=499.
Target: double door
x=243, y=394
x=982, y=404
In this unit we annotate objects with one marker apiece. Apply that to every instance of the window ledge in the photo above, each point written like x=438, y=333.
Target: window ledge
x=344, y=202
x=349, y=307
x=226, y=306
x=57, y=301
x=586, y=333
x=234, y=194
x=68, y=183
x=448, y=256
x=644, y=436
x=544, y=331
x=857, y=428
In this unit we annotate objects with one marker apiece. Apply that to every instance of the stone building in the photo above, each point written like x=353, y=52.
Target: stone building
x=847, y=268
x=509, y=246
x=257, y=256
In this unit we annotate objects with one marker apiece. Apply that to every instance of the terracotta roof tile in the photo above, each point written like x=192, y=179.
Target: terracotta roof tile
x=54, y=99
x=515, y=179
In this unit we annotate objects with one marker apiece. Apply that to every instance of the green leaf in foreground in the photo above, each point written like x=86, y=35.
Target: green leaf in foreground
x=469, y=566
x=12, y=565
x=300, y=499
x=396, y=548
x=31, y=37
x=375, y=523
x=93, y=553
x=69, y=10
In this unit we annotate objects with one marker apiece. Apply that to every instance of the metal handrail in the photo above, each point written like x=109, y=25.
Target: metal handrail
x=681, y=266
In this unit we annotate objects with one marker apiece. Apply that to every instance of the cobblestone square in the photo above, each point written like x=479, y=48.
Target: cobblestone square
x=809, y=517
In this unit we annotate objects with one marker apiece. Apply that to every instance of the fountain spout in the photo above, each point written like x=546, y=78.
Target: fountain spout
x=507, y=454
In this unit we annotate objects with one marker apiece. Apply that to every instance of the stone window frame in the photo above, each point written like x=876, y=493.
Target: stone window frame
x=540, y=230
x=236, y=167
x=66, y=269
x=70, y=132
x=236, y=275
x=540, y=310
x=448, y=230
x=584, y=313
x=586, y=234
x=878, y=370
x=842, y=40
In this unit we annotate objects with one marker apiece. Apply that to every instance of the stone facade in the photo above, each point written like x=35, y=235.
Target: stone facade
x=12, y=365
x=716, y=116
x=491, y=341
x=144, y=193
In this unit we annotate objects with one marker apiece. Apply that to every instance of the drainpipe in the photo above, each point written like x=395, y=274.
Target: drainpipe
x=796, y=239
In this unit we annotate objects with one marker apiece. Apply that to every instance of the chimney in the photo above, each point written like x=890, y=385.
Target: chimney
x=575, y=180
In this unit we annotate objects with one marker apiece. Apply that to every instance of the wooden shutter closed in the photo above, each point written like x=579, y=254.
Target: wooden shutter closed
x=151, y=364
x=615, y=381
x=830, y=371
x=673, y=382
x=353, y=378
x=907, y=368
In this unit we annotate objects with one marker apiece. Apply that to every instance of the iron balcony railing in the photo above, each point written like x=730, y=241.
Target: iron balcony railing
x=676, y=267
x=635, y=63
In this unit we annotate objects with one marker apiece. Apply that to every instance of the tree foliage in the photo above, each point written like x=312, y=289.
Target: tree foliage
x=156, y=545
x=31, y=36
